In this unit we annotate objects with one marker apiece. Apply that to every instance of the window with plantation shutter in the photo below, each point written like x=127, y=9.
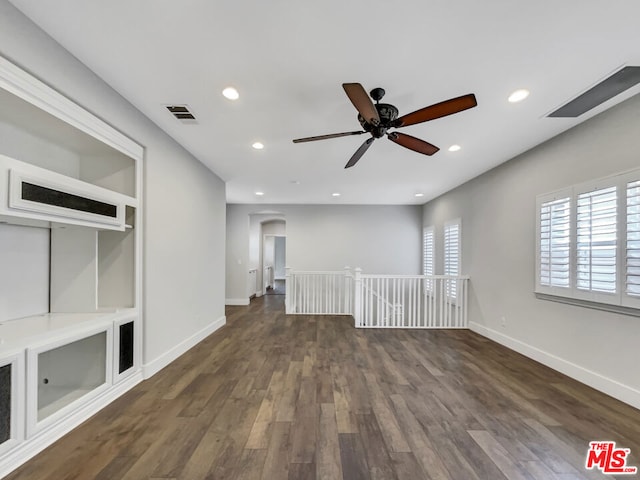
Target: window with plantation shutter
x=554, y=243
x=588, y=244
x=427, y=251
x=596, y=240
x=428, y=256
x=632, y=257
x=452, y=254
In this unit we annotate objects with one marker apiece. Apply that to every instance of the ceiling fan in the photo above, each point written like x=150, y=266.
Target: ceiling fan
x=379, y=118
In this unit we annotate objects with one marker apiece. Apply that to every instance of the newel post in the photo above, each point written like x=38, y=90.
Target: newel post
x=357, y=299
x=288, y=298
x=348, y=290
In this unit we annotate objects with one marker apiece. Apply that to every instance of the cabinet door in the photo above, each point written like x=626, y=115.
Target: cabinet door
x=11, y=400
x=67, y=374
x=125, y=348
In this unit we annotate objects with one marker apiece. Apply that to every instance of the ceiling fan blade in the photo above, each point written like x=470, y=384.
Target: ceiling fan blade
x=324, y=137
x=413, y=143
x=442, y=109
x=361, y=100
x=356, y=156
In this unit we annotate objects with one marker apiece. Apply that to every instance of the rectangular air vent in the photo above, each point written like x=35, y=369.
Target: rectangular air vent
x=617, y=83
x=182, y=113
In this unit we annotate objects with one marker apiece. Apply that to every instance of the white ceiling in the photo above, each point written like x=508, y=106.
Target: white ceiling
x=288, y=59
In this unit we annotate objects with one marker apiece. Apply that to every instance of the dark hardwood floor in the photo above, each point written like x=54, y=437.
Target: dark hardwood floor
x=274, y=397
x=279, y=288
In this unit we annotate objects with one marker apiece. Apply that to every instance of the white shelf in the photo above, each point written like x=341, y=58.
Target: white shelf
x=57, y=398
x=28, y=330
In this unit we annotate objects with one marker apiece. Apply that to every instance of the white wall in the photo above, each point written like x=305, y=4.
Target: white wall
x=21, y=145
x=184, y=205
x=377, y=238
x=498, y=252
x=274, y=227
x=269, y=249
x=280, y=260
x=24, y=271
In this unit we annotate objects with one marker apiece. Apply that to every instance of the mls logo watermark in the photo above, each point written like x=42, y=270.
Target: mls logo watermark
x=609, y=459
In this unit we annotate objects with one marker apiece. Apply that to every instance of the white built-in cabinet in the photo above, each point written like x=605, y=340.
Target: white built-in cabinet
x=71, y=330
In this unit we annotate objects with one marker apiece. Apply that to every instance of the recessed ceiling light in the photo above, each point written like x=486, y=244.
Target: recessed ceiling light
x=295, y=182
x=335, y=194
x=454, y=148
x=231, y=93
x=258, y=145
x=419, y=195
x=518, y=95
x=259, y=194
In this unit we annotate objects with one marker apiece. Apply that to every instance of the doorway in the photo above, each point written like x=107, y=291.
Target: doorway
x=274, y=261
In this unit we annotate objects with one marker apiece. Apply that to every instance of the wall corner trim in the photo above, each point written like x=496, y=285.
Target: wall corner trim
x=153, y=367
x=238, y=301
x=606, y=385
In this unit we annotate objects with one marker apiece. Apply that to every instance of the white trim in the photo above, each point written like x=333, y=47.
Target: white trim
x=154, y=366
x=611, y=387
x=25, y=86
x=605, y=307
x=240, y=301
x=46, y=437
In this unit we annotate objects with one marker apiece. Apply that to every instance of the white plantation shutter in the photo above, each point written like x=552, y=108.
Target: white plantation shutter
x=596, y=240
x=632, y=257
x=427, y=251
x=588, y=243
x=554, y=243
x=452, y=254
x=428, y=254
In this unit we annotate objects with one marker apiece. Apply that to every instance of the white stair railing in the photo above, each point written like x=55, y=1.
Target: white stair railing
x=404, y=301
x=319, y=293
x=380, y=301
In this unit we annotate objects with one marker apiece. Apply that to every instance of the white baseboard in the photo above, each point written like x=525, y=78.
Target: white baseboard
x=237, y=301
x=611, y=387
x=153, y=367
x=30, y=448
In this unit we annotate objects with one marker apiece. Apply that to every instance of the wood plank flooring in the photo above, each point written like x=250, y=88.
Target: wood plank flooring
x=310, y=397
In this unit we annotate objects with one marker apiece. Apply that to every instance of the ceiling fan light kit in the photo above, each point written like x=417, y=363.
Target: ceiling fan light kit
x=376, y=119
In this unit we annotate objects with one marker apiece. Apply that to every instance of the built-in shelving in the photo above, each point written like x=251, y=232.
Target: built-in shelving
x=71, y=331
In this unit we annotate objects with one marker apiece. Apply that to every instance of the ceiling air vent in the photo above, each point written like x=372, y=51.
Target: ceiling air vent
x=620, y=81
x=182, y=113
